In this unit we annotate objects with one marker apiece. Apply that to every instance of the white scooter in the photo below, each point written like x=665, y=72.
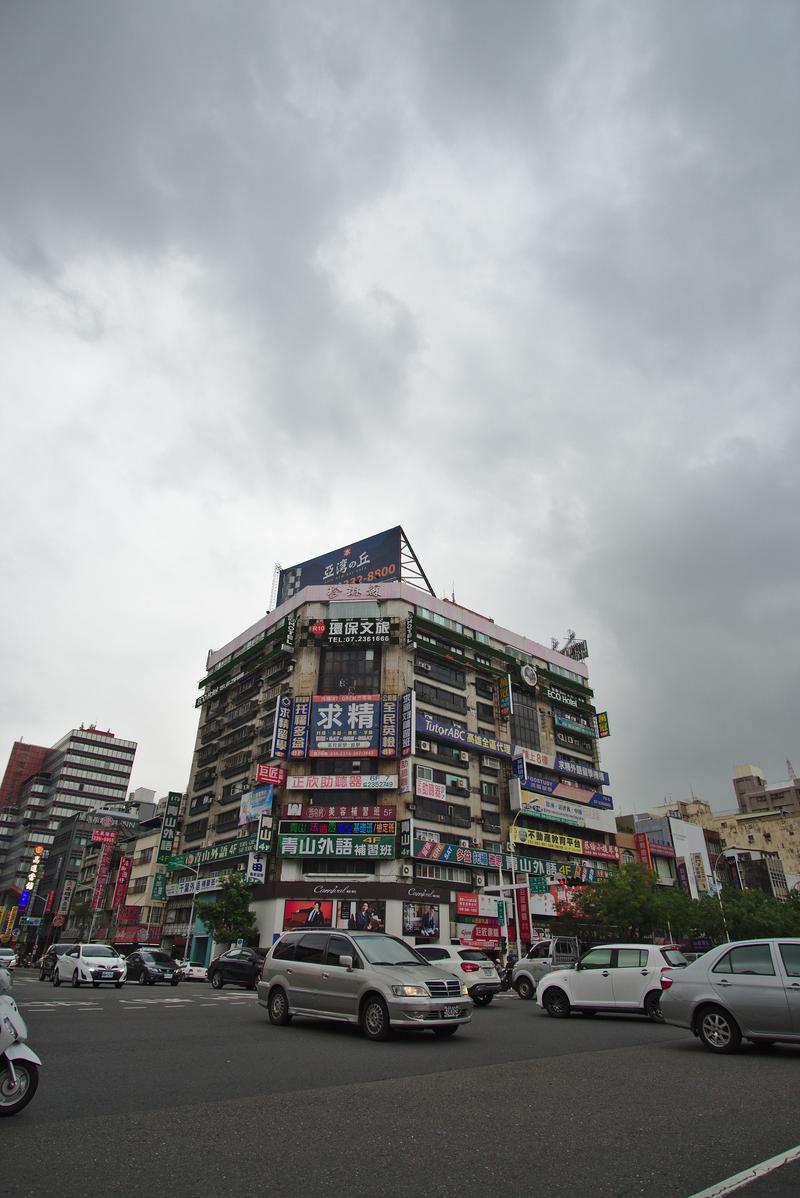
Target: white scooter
x=19, y=1065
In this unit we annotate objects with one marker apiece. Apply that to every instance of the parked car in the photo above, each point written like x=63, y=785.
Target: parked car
x=91, y=963
x=611, y=977
x=240, y=966
x=469, y=965
x=367, y=978
x=48, y=961
x=149, y=965
x=193, y=973
x=749, y=989
x=8, y=958
x=561, y=952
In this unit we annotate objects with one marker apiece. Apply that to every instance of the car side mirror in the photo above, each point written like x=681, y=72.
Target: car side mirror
x=578, y=965
x=347, y=963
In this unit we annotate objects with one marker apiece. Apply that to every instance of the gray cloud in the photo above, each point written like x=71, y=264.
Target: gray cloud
x=521, y=277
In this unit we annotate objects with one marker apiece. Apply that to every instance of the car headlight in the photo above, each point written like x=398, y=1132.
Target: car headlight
x=464, y=989
x=409, y=991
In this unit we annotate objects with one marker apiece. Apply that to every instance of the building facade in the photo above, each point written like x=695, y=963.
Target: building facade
x=368, y=752
x=755, y=795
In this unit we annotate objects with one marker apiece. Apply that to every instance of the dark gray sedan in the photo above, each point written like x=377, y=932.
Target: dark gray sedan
x=749, y=989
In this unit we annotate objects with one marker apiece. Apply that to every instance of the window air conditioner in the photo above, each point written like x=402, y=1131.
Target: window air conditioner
x=464, y=844
x=461, y=784
x=479, y=880
x=490, y=763
x=424, y=665
x=463, y=755
x=407, y=871
x=424, y=746
x=511, y=848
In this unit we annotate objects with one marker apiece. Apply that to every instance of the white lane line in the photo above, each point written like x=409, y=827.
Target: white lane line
x=747, y=1175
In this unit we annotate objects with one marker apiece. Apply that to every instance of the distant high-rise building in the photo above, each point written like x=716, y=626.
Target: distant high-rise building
x=24, y=761
x=754, y=794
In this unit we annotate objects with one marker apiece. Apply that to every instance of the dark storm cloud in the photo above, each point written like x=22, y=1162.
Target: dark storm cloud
x=522, y=277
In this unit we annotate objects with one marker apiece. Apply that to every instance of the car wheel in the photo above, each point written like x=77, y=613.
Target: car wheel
x=174, y=981
x=118, y=985
x=56, y=980
x=76, y=981
x=278, y=1008
x=441, y=1033
x=217, y=980
x=95, y=985
x=375, y=1019
x=143, y=978
x=525, y=988
x=652, y=1006
x=718, y=1031
x=556, y=1003
x=15, y=1095
x=482, y=1000
x=42, y=976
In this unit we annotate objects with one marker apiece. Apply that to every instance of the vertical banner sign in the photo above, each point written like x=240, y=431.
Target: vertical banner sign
x=298, y=741
x=283, y=721
x=410, y=641
x=159, y=888
x=121, y=887
x=66, y=896
x=602, y=724
x=408, y=724
x=48, y=907
x=101, y=878
x=404, y=776
x=643, y=850
x=389, y=726
x=169, y=827
x=524, y=909
x=506, y=698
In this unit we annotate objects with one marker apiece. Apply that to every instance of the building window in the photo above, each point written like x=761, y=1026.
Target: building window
x=196, y=831
x=486, y=712
x=323, y=865
x=439, y=672
x=489, y=790
x=349, y=671
x=439, y=697
x=525, y=721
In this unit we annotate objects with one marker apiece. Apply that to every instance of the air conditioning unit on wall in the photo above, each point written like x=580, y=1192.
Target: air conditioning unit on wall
x=461, y=784
x=424, y=746
x=463, y=755
x=464, y=844
x=407, y=871
x=479, y=880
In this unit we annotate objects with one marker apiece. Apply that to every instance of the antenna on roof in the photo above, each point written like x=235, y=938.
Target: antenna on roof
x=790, y=768
x=273, y=596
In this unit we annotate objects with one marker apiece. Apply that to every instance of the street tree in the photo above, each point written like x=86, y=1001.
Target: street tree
x=229, y=918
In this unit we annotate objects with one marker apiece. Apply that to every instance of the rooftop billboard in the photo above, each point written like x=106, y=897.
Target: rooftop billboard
x=376, y=559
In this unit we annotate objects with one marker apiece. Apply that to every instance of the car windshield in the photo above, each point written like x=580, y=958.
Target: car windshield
x=473, y=955
x=386, y=950
x=60, y=949
x=673, y=957
x=158, y=958
x=98, y=950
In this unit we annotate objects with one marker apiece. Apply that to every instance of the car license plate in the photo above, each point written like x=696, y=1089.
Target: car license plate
x=487, y=973
x=450, y=1013
x=167, y=976
x=108, y=973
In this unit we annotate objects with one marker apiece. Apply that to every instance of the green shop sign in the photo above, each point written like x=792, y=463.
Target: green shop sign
x=220, y=852
x=370, y=847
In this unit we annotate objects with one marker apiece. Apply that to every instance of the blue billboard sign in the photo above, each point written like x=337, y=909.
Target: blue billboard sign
x=376, y=559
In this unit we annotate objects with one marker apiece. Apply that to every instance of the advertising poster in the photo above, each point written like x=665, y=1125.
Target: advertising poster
x=255, y=803
x=169, y=827
x=363, y=915
x=298, y=741
x=306, y=913
x=345, y=725
x=375, y=559
x=408, y=717
x=283, y=724
x=389, y=726
x=421, y=919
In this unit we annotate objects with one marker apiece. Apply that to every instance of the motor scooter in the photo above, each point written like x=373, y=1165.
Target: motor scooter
x=19, y=1064
x=507, y=972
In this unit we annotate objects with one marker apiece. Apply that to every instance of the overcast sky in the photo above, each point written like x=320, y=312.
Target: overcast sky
x=522, y=277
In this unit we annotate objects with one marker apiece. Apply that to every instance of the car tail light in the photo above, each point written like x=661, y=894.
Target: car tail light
x=666, y=981
x=469, y=966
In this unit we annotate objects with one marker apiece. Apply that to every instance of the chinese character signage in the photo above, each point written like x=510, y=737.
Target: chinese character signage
x=430, y=790
x=342, y=782
x=337, y=827
x=338, y=811
x=442, y=728
x=595, y=848
x=389, y=726
x=283, y=725
x=159, y=892
x=408, y=733
x=169, y=827
x=101, y=877
x=270, y=774
x=103, y=836
x=374, y=630
x=572, y=725
x=66, y=896
x=579, y=769
x=506, y=698
x=345, y=725
x=255, y=803
x=642, y=841
x=224, y=852
x=121, y=888
x=298, y=741
x=547, y=840
x=369, y=847
x=602, y=724
x=434, y=850
x=376, y=559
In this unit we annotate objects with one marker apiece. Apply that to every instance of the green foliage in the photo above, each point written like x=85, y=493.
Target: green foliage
x=632, y=906
x=230, y=918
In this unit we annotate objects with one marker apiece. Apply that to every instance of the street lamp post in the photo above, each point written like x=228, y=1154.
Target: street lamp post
x=719, y=893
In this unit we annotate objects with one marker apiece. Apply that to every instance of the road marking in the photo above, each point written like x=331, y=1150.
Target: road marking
x=747, y=1175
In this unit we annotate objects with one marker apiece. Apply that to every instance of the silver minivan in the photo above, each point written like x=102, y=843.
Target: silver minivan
x=369, y=978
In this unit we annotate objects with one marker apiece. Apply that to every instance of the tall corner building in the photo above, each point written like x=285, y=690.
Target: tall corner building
x=383, y=758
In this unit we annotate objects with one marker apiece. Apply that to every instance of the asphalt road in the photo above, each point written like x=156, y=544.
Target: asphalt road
x=186, y=1090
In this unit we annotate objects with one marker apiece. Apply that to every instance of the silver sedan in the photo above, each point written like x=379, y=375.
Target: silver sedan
x=749, y=989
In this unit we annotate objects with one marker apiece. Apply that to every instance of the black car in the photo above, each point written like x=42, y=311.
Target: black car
x=240, y=966
x=49, y=959
x=149, y=965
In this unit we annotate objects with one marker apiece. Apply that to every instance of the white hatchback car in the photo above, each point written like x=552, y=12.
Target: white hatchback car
x=611, y=977
x=469, y=965
x=93, y=964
